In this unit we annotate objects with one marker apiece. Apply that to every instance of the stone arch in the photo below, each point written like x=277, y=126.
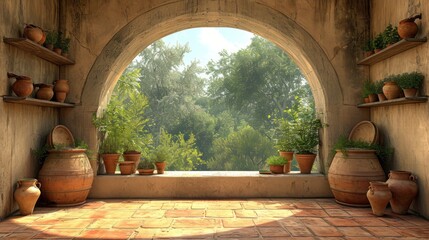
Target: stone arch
x=169, y=18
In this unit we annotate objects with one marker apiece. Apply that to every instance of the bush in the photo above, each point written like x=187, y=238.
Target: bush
x=410, y=80
x=377, y=43
x=276, y=161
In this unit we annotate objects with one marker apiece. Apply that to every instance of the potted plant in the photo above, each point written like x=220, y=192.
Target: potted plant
x=390, y=88
x=368, y=48
x=410, y=83
x=378, y=88
x=377, y=43
x=127, y=167
x=58, y=43
x=276, y=164
x=285, y=143
x=305, y=135
x=390, y=35
x=369, y=89
x=65, y=46
x=51, y=39
x=159, y=156
x=146, y=167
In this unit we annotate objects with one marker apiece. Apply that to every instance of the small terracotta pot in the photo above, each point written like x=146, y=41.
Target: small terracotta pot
x=407, y=28
x=146, y=171
x=381, y=97
x=127, y=167
x=133, y=156
x=45, y=92
x=391, y=90
x=110, y=161
x=57, y=50
x=61, y=85
x=33, y=33
x=277, y=169
x=305, y=162
x=26, y=195
x=23, y=87
x=404, y=189
x=366, y=100
x=289, y=157
x=160, y=167
x=60, y=96
x=378, y=196
x=410, y=92
x=373, y=98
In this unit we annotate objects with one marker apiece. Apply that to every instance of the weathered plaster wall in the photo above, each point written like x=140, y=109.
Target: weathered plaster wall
x=320, y=35
x=22, y=127
x=405, y=127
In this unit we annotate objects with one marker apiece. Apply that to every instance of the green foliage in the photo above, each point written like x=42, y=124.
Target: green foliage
x=368, y=46
x=275, y=161
x=41, y=153
x=51, y=37
x=368, y=88
x=378, y=43
x=284, y=135
x=343, y=144
x=62, y=42
x=245, y=150
x=378, y=86
x=410, y=80
x=146, y=164
x=390, y=35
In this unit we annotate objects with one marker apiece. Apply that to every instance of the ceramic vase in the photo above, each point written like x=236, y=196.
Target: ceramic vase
x=160, y=167
x=45, y=92
x=26, y=194
x=391, y=90
x=33, y=33
x=110, y=161
x=378, y=196
x=61, y=88
x=407, y=28
x=404, y=189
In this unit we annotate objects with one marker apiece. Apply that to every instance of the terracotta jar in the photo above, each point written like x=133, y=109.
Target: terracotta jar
x=391, y=90
x=127, y=167
x=45, y=92
x=350, y=174
x=33, y=33
x=160, y=167
x=379, y=196
x=61, y=88
x=381, y=97
x=66, y=177
x=26, y=194
x=408, y=28
x=410, y=92
x=23, y=86
x=404, y=189
x=133, y=156
x=277, y=169
x=305, y=162
x=289, y=157
x=373, y=98
x=110, y=161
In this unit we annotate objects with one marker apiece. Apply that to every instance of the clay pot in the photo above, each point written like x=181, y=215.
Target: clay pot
x=289, y=157
x=110, y=161
x=42, y=41
x=26, y=194
x=61, y=88
x=404, y=189
x=57, y=50
x=133, y=156
x=60, y=96
x=33, y=33
x=305, y=162
x=66, y=177
x=379, y=196
x=391, y=90
x=350, y=174
x=410, y=92
x=276, y=169
x=146, y=171
x=381, y=97
x=160, y=167
x=23, y=86
x=45, y=92
x=407, y=28
x=366, y=100
x=373, y=98
x=127, y=167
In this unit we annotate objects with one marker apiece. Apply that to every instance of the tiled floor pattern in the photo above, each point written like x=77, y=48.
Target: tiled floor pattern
x=212, y=219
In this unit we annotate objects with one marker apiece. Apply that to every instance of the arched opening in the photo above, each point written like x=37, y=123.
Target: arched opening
x=165, y=20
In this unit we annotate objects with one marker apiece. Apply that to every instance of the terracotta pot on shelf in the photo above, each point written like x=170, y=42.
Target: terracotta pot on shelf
x=305, y=162
x=378, y=196
x=127, y=167
x=61, y=88
x=45, y=92
x=381, y=97
x=33, y=33
x=373, y=98
x=57, y=50
x=410, y=92
x=366, y=100
x=277, y=169
x=288, y=155
x=23, y=86
x=146, y=171
x=404, y=189
x=133, y=156
x=349, y=176
x=110, y=161
x=26, y=195
x=160, y=167
x=391, y=90
x=407, y=28
x=43, y=38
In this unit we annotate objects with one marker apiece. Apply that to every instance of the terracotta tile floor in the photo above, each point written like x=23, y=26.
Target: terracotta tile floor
x=212, y=219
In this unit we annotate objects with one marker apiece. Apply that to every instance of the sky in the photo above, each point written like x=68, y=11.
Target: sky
x=206, y=43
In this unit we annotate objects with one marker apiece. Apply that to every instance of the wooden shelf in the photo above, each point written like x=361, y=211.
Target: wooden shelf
x=394, y=49
x=37, y=102
x=396, y=101
x=38, y=50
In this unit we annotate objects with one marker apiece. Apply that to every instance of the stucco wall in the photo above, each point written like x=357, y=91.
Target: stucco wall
x=22, y=127
x=405, y=127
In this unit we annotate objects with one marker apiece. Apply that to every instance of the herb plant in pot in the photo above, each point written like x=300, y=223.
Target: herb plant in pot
x=390, y=35
x=369, y=89
x=368, y=48
x=285, y=143
x=146, y=167
x=378, y=88
x=51, y=39
x=276, y=164
x=160, y=156
x=390, y=88
x=410, y=83
x=378, y=43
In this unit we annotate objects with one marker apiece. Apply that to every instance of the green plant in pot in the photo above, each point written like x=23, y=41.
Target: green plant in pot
x=368, y=48
x=378, y=43
x=369, y=89
x=146, y=167
x=410, y=83
x=390, y=35
x=378, y=88
x=160, y=155
x=285, y=142
x=276, y=164
x=51, y=39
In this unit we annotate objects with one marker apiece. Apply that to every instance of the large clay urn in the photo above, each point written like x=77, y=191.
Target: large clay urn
x=23, y=86
x=379, y=196
x=408, y=28
x=404, y=189
x=350, y=174
x=66, y=177
x=391, y=90
x=61, y=88
x=33, y=33
x=45, y=92
x=26, y=195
